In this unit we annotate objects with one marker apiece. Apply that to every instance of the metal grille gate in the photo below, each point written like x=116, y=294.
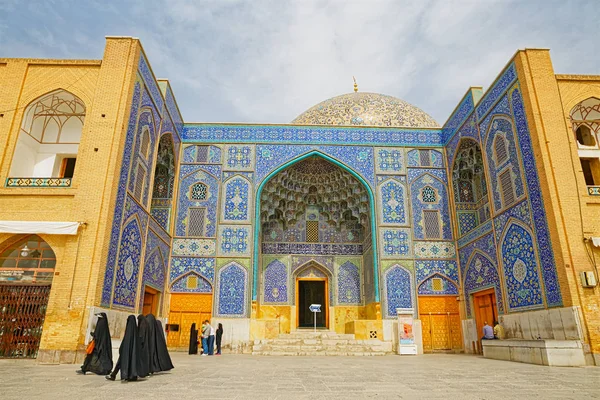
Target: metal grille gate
x=22, y=312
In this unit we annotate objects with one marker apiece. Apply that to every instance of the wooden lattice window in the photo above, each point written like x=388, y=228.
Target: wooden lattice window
x=428, y=195
x=199, y=192
x=500, y=150
x=312, y=231
x=192, y=282
x=431, y=224
x=506, y=188
x=201, y=154
x=145, y=143
x=437, y=285
x=425, y=158
x=196, y=218
x=140, y=180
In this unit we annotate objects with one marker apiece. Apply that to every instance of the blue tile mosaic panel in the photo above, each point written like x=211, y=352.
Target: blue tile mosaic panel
x=234, y=240
x=398, y=290
x=107, y=289
x=396, y=243
x=467, y=221
x=187, y=180
x=435, y=178
x=389, y=161
x=520, y=269
x=184, y=284
x=499, y=87
x=194, y=247
x=276, y=282
x=232, y=285
x=393, y=202
x=446, y=287
x=426, y=268
x=156, y=260
x=215, y=133
x=544, y=245
x=237, y=198
x=431, y=249
x=348, y=280
x=204, y=266
x=463, y=110
x=239, y=157
x=128, y=265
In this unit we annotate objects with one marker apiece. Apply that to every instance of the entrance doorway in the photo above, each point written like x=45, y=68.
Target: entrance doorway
x=312, y=291
x=441, y=323
x=187, y=309
x=485, y=310
x=150, y=301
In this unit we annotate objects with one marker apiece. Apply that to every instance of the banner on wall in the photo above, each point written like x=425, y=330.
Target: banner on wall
x=406, y=337
x=39, y=227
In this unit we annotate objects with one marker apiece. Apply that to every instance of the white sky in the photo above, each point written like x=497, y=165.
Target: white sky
x=268, y=61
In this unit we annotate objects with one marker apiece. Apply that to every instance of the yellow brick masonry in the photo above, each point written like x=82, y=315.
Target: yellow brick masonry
x=572, y=214
x=105, y=87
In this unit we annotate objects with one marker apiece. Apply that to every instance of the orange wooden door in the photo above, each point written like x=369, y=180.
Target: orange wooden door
x=484, y=304
x=187, y=309
x=440, y=323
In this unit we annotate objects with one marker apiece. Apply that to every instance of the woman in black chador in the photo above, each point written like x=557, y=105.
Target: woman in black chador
x=164, y=360
x=158, y=354
x=129, y=353
x=143, y=340
x=99, y=361
x=193, y=340
x=219, y=337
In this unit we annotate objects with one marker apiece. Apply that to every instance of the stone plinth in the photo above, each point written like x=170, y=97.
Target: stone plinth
x=560, y=353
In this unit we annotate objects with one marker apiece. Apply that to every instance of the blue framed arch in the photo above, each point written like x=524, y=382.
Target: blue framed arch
x=344, y=167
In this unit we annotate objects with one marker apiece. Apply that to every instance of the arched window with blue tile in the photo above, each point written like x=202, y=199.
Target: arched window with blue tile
x=348, y=280
x=237, y=197
x=429, y=202
x=232, y=283
x=437, y=285
x=191, y=282
x=398, y=289
x=521, y=272
x=393, y=202
x=276, y=282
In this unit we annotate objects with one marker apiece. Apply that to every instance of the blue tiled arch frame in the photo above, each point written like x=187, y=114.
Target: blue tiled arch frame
x=440, y=275
x=257, y=214
x=498, y=286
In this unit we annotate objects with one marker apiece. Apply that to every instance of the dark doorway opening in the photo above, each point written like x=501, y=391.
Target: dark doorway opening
x=150, y=301
x=312, y=292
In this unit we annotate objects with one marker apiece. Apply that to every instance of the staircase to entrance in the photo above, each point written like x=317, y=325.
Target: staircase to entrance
x=320, y=343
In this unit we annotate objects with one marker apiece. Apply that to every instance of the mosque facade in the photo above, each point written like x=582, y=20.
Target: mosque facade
x=363, y=204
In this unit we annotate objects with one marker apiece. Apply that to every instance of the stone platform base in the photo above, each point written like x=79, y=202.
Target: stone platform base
x=323, y=343
x=560, y=353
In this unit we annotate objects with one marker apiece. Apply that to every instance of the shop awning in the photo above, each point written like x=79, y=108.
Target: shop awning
x=37, y=227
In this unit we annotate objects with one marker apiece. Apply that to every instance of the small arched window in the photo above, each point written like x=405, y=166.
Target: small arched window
x=28, y=260
x=585, y=136
x=428, y=195
x=48, y=141
x=199, y=192
x=500, y=150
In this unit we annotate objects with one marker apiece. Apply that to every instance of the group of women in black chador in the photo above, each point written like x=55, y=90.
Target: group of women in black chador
x=143, y=350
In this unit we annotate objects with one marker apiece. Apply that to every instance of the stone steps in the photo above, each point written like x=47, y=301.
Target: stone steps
x=324, y=343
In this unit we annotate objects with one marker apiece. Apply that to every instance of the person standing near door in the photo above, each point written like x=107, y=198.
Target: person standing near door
x=205, y=332
x=211, y=339
x=219, y=336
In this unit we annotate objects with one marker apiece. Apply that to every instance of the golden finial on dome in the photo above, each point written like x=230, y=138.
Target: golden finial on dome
x=355, y=85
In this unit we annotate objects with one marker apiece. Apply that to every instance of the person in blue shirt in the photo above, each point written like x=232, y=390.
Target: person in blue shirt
x=488, y=332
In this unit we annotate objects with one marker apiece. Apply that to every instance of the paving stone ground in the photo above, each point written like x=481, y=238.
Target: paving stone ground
x=254, y=377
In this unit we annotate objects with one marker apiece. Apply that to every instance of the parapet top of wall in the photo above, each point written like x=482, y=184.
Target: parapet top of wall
x=569, y=77
x=51, y=61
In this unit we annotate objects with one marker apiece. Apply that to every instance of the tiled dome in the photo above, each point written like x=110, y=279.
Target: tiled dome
x=366, y=109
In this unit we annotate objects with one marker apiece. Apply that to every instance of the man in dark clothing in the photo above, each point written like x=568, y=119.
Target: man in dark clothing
x=128, y=353
x=99, y=361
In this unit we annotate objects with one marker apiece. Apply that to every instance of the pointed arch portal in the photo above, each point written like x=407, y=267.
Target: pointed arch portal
x=371, y=213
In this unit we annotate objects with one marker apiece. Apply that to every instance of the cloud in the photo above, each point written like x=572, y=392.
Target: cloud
x=268, y=61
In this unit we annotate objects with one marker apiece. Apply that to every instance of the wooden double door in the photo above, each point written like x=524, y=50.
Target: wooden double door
x=485, y=309
x=185, y=310
x=440, y=322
